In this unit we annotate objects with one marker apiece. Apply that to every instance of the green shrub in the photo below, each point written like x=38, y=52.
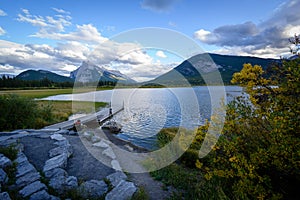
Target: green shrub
x=17, y=112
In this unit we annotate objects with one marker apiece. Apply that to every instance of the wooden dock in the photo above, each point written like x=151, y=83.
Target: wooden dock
x=99, y=116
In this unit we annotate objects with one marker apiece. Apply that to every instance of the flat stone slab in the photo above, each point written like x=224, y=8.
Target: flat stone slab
x=93, y=189
x=116, y=178
x=42, y=195
x=123, y=191
x=57, y=161
x=27, y=179
x=32, y=188
x=116, y=165
x=109, y=153
x=55, y=172
x=57, y=137
x=4, y=161
x=101, y=144
x=24, y=168
x=21, y=158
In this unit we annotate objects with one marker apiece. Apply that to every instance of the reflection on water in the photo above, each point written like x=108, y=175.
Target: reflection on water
x=147, y=111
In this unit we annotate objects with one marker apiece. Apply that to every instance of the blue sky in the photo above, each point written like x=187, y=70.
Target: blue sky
x=58, y=35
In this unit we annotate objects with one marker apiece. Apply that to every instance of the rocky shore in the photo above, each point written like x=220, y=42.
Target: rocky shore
x=55, y=164
x=42, y=168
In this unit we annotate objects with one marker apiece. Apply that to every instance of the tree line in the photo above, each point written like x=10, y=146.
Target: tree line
x=8, y=82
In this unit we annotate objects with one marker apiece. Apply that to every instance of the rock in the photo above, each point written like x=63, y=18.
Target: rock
x=21, y=158
x=32, y=188
x=88, y=135
x=4, y=196
x=56, y=151
x=27, y=179
x=57, y=137
x=3, y=176
x=61, y=150
x=71, y=183
x=116, y=165
x=42, y=195
x=62, y=183
x=57, y=161
x=128, y=147
x=109, y=153
x=57, y=183
x=55, y=172
x=101, y=144
x=116, y=178
x=95, y=139
x=4, y=161
x=73, y=132
x=62, y=132
x=123, y=191
x=24, y=168
x=93, y=189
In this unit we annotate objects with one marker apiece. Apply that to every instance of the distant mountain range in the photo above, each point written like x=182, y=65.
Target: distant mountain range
x=187, y=72
x=208, y=65
x=42, y=74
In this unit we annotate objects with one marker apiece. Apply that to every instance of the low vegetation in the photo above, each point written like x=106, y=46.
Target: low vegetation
x=258, y=153
x=18, y=112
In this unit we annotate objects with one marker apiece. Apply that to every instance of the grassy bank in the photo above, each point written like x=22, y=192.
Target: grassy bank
x=39, y=93
x=42, y=93
x=61, y=110
x=19, y=112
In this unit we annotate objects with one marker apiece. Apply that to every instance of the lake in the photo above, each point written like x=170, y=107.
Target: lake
x=147, y=111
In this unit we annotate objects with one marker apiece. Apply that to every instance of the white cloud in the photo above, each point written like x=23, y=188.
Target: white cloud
x=83, y=33
x=2, y=13
x=2, y=31
x=73, y=47
x=268, y=38
x=61, y=11
x=48, y=24
x=53, y=27
x=161, y=54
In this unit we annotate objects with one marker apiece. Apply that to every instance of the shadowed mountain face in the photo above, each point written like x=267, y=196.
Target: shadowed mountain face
x=36, y=75
x=205, y=68
x=89, y=72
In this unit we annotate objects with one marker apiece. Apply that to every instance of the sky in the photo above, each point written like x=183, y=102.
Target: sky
x=57, y=35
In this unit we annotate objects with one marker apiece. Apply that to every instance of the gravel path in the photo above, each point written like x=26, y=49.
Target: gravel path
x=83, y=165
x=36, y=150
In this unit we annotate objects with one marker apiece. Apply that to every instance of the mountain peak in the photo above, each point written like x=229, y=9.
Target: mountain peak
x=90, y=72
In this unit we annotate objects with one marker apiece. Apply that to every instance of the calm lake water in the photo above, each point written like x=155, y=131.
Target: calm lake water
x=149, y=110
